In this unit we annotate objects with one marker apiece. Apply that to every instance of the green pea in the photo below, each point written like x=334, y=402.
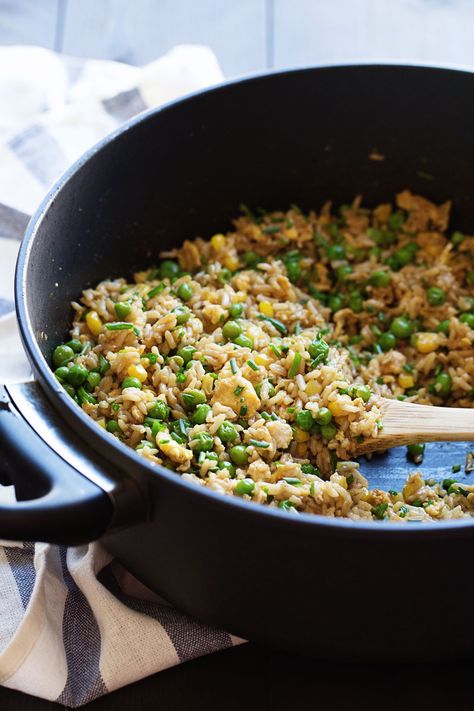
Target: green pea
x=192, y=398
x=318, y=350
x=251, y=259
x=131, y=383
x=75, y=344
x=186, y=353
x=243, y=341
x=159, y=410
x=328, y=431
x=387, y=341
x=61, y=373
x=185, y=291
x=324, y=416
x=379, y=278
x=401, y=327
x=231, y=330
x=76, y=375
x=203, y=442
x=94, y=379
x=442, y=385
x=416, y=450
x=335, y=252
x=467, y=318
x=227, y=432
x=443, y=327
x=62, y=354
x=169, y=269
x=304, y=420
x=362, y=391
x=112, y=426
x=435, y=296
x=293, y=270
x=406, y=255
x=122, y=309
x=375, y=235
x=356, y=303
x=200, y=414
x=228, y=466
x=271, y=388
x=239, y=455
x=335, y=302
x=396, y=220
x=245, y=487
x=224, y=276
x=343, y=272
x=236, y=310
x=182, y=314
x=457, y=237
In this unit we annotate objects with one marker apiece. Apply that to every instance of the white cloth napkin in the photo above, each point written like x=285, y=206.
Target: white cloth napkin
x=73, y=623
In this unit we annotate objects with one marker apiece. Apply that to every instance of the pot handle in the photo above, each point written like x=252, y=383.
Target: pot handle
x=55, y=503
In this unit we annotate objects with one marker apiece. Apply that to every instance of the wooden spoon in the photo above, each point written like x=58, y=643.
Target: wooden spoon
x=406, y=423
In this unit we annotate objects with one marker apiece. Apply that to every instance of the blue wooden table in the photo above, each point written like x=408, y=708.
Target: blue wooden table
x=247, y=35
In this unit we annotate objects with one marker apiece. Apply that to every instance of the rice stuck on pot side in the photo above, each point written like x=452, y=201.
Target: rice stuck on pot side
x=253, y=363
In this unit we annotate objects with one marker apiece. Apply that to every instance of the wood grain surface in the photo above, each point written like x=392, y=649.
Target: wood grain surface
x=251, y=678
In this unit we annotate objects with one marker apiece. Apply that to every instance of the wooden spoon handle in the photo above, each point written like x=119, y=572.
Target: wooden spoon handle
x=406, y=423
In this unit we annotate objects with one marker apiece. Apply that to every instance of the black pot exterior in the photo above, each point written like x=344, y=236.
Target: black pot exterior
x=334, y=589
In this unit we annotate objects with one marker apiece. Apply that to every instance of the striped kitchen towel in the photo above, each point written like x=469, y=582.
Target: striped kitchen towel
x=73, y=623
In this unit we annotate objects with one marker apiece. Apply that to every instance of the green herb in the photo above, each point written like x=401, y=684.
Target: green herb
x=456, y=468
x=379, y=511
x=233, y=365
x=238, y=390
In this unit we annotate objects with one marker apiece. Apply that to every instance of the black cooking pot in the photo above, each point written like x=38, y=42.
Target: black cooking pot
x=336, y=588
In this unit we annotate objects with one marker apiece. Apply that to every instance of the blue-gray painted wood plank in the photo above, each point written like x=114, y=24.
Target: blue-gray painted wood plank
x=28, y=22
x=318, y=32
x=138, y=32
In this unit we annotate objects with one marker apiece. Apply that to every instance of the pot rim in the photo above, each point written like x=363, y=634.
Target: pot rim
x=99, y=439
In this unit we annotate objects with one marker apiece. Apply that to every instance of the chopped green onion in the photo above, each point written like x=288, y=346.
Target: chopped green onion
x=155, y=291
x=253, y=365
x=233, y=366
x=295, y=365
x=119, y=326
x=275, y=323
x=259, y=443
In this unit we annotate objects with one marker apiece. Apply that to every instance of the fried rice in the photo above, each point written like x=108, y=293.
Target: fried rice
x=253, y=363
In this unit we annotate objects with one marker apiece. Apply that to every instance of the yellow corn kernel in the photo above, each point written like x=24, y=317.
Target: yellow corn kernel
x=427, y=342
x=301, y=435
x=231, y=263
x=313, y=388
x=101, y=422
x=145, y=362
x=137, y=371
x=337, y=407
x=291, y=233
x=265, y=308
x=94, y=324
x=218, y=242
x=406, y=381
x=301, y=449
x=263, y=359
